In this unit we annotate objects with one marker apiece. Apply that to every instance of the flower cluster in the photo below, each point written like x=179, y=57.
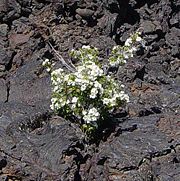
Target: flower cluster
x=120, y=54
x=88, y=93
x=48, y=64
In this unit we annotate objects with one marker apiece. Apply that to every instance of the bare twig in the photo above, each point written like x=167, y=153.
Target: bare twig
x=70, y=67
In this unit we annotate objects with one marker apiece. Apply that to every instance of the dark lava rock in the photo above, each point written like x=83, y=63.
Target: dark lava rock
x=5, y=56
x=3, y=91
x=3, y=6
x=18, y=39
x=124, y=156
x=148, y=27
x=172, y=40
x=12, y=9
x=85, y=13
x=47, y=148
x=28, y=87
x=4, y=29
x=143, y=145
x=2, y=68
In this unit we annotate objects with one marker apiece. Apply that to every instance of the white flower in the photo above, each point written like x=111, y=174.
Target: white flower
x=74, y=100
x=71, y=82
x=114, y=64
x=73, y=50
x=126, y=97
x=90, y=56
x=121, y=61
x=58, y=72
x=98, y=86
x=68, y=101
x=48, y=69
x=87, y=119
x=96, y=71
x=78, y=80
x=86, y=47
x=113, y=101
x=83, y=87
x=115, y=47
x=59, y=79
x=84, y=112
x=92, y=115
x=52, y=106
x=66, y=78
x=94, y=112
x=94, y=92
x=122, y=92
x=110, y=92
x=128, y=42
x=106, y=101
x=126, y=55
x=55, y=88
x=53, y=100
x=46, y=62
x=93, y=118
x=80, y=69
x=138, y=39
x=56, y=105
x=134, y=49
x=100, y=72
x=73, y=106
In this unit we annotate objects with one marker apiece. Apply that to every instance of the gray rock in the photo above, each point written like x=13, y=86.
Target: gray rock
x=5, y=56
x=18, y=39
x=175, y=19
x=127, y=155
x=148, y=27
x=35, y=145
x=172, y=38
x=12, y=9
x=3, y=6
x=48, y=146
x=3, y=91
x=2, y=68
x=27, y=88
x=4, y=30
x=85, y=13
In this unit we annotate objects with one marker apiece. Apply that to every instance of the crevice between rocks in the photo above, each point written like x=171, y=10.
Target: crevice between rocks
x=158, y=155
x=8, y=91
x=9, y=65
x=149, y=159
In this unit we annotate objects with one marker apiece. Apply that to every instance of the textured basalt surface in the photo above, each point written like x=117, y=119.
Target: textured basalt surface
x=37, y=145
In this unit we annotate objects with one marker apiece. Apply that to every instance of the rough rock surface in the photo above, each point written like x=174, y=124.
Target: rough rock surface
x=144, y=145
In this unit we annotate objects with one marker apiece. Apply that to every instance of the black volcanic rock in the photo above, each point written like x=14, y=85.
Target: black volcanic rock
x=36, y=144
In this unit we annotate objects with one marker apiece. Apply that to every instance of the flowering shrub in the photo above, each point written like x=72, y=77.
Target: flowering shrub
x=87, y=93
x=120, y=54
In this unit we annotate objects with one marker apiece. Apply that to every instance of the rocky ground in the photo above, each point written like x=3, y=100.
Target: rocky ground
x=35, y=145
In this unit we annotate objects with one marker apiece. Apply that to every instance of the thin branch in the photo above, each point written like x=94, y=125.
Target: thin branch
x=71, y=68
